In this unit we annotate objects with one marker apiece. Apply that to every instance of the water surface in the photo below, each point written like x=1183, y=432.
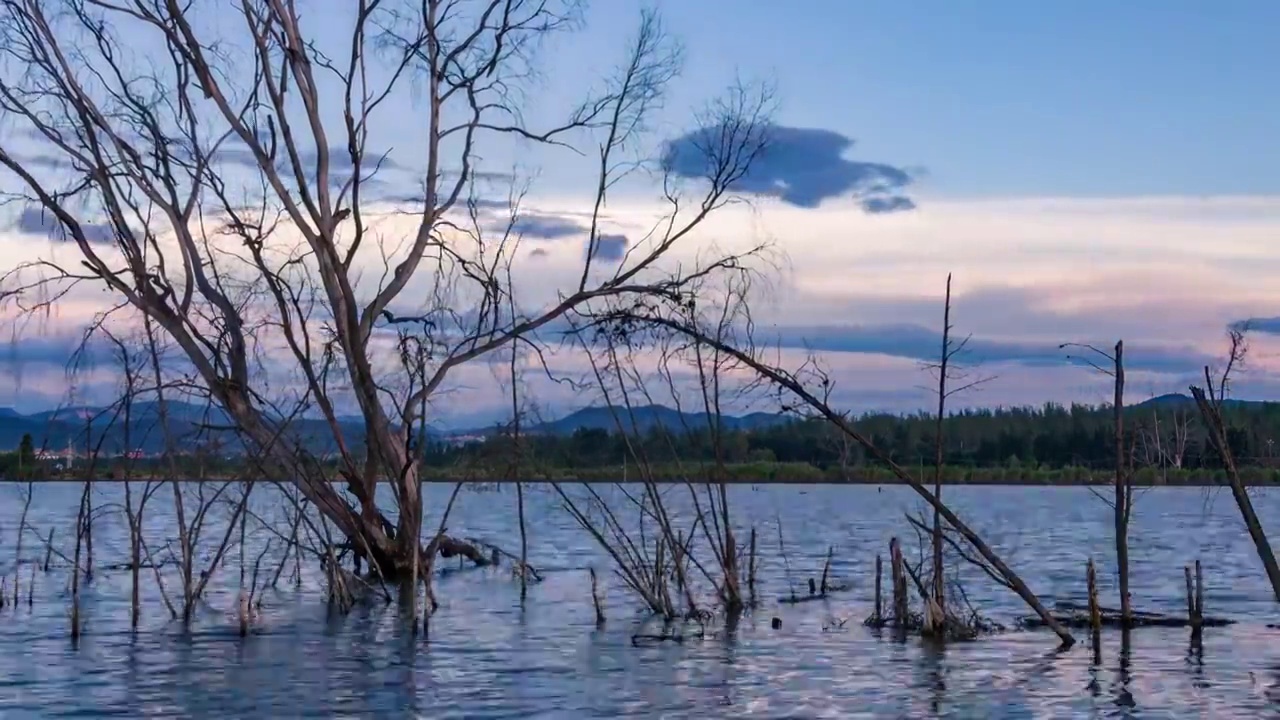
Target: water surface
x=489, y=657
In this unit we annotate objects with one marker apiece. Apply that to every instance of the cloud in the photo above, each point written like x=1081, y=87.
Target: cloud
x=610, y=247
x=339, y=159
x=483, y=204
x=374, y=160
x=25, y=349
x=36, y=221
x=803, y=167
x=1165, y=274
x=916, y=342
x=1266, y=325
x=880, y=205
x=544, y=226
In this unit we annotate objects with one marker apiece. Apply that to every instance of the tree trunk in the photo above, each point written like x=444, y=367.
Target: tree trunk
x=390, y=554
x=790, y=383
x=1122, y=494
x=1218, y=436
x=939, y=581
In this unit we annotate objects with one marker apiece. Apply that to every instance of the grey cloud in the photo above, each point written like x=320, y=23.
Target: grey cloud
x=379, y=161
x=1264, y=325
x=544, y=226
x=803, y=167
x=538, y=253
x=36, y=221
x=61, y=350
x=484, y=206
x=994, y=310
x=67, y=349
x=917, y=342
x=489, y=204
x=883, y=205
x=339, y=159
x=610, y=247
x=51, y=162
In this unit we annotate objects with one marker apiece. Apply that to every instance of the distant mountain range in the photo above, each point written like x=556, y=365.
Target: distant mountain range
x=190, y=424
x=1176, y=399
x=647, y=417
x=193, y=424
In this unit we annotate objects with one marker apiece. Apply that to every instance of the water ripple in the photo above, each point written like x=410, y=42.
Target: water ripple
x=487, y=657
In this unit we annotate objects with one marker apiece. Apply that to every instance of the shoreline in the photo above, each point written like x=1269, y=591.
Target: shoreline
x=746, y=473
x=1192, y=482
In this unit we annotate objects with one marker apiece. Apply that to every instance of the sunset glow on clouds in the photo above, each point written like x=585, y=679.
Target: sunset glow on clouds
x=1082, y=180
x=864, y=292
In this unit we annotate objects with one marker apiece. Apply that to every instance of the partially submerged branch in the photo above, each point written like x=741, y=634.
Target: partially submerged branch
x=1210, y=400
x=792, y=385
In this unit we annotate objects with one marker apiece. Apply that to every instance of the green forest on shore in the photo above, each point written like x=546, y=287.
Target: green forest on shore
x=1050, y=445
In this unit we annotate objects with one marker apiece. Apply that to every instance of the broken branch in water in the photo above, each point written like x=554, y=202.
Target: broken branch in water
x=817, y=591
x=1077, y=616
x=533, y=573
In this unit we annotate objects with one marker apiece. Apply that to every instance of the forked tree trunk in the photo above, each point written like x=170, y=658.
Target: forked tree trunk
x=390, y=554
x=790, y=383
x=1218, y=436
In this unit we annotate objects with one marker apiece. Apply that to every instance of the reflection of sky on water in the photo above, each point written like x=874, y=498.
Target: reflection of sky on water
x=488, y=658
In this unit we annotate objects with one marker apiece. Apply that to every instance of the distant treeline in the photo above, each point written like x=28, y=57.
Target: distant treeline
x=1051, y=445
x=1053, y=437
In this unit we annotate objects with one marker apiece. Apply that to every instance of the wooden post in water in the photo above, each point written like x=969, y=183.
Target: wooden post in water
x=1095, y=613
x=1199, y=618
x=242, y=613
x=751, y=568
x=900, y=599
x=826, y=569
x=48, y=550
x=1191, y=596
x=595, y=597
x=879, y=603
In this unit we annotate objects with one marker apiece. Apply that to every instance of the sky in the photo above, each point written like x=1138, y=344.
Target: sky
x=1086, y=171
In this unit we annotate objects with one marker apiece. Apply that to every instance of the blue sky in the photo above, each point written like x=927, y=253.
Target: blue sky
x=998, y=97
x=1088, y=170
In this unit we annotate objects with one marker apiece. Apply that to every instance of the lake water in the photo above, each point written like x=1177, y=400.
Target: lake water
x=488, y=657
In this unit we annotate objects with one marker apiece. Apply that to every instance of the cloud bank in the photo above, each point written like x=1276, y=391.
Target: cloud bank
x=801, y=166
x=1168, y=275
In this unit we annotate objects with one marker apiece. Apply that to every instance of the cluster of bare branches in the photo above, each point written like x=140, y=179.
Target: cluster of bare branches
x=808, y=389
x=1125, y=449
x=1162, y=448
x=947, y=612
x=218, y=180
x=1211, y=400
x=952, y=379
x=209, y=521
x=674, y=559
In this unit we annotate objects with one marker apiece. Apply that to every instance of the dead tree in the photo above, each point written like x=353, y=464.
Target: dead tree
x=132, y=368
x=707, y=485
x=651, y=554
x=1210, y=401
x=1164, y=444
x=634, y=319
x=1122, y=500
x=946, y=369
x=843, y=447
x=517, y=466
x=229, y=198
x=27, y=490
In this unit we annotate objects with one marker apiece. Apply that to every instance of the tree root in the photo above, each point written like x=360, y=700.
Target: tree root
x=1073, y=615
x=449, y=547
x=496, y=551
